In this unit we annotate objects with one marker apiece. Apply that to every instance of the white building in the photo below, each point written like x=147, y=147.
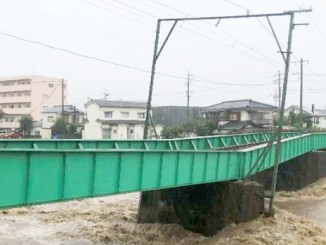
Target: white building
x=28, y=95
x=296, y=109
x=115, y=120
x=319, y=118
x=72, y=116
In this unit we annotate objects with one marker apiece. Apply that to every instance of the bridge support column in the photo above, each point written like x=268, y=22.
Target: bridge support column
x=205, y=208
x=296, y=173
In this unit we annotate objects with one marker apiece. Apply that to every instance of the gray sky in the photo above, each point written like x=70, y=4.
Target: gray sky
x=238, y=59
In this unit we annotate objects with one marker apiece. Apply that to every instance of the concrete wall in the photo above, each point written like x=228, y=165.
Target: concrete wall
x=205, y=208
x=296, y=173
x=208, y=208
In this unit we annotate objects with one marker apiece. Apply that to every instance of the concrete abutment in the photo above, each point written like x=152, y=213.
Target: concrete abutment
x=205, y=208
x=208, y=208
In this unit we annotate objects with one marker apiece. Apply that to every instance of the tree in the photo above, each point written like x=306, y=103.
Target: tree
x=200, y=127
x=59, y=126
x=26, y=124
x=295, y=119
x=172, y=132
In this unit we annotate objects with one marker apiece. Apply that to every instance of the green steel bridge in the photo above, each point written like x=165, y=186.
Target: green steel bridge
x=43, y=171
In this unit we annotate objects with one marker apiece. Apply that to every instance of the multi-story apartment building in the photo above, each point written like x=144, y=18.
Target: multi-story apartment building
x=28, y=95
x=115, y=120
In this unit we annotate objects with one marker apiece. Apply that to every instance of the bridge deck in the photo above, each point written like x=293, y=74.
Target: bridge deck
x=34, y=175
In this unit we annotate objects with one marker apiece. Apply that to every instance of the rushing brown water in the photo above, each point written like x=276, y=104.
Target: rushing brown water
x=112, y=220
x=314, y=210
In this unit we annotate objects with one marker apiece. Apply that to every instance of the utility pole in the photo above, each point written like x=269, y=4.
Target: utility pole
x=279, y=90
x=105, y=95
x=301, y=92
x=188, y=92
x=75, y=115
x=277, y=93
x=279, y=132
x=158, y=50
x=62, y=99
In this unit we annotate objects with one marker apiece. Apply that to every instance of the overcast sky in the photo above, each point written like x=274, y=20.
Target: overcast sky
x=237, y=59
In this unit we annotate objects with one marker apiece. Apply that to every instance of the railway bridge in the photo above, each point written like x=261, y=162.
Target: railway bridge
x=44, y=171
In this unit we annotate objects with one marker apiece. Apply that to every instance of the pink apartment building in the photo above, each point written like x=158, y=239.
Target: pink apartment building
x=28, y=95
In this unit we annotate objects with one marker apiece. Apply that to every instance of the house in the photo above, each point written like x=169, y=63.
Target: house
x=319, y=118
x=240, y=115
x=174, y=115
x=28, y=95
x=115, y=120
x=296, y=110
x=71, y=115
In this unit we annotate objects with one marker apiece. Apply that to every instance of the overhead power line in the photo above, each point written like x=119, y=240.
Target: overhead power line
x=263, y=56
x=84, y=55
x=120, y=64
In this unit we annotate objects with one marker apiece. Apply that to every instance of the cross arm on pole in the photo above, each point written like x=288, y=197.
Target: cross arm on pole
x=166, y=39
x=239, y=16
x=276, y=39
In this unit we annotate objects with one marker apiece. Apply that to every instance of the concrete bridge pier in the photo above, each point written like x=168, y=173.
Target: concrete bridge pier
x=205, y=208
x=296, y=173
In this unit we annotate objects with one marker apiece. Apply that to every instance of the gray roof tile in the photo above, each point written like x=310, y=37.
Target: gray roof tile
x=239, y=104
x=120, y=104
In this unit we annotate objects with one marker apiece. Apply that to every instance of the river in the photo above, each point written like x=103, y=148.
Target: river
x=300, y=219
x=314, y=210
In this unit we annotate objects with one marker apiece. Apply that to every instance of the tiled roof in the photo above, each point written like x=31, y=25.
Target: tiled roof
x=297, y=108
x=319, y=112
x=119, y=104
x=239, y=104
x=58, y=109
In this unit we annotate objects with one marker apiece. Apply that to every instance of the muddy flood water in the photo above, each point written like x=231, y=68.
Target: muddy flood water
x=300, y=219
x=314, y=210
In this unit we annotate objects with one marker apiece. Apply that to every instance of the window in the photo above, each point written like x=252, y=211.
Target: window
x=131, y=131
x=108, y=114
x=234, y=116
x=106, y=133
x=50, y=85
x=10, y=119
x=37, y=133
x=50, y=119
x=141, y=115
x=114, y=131
x=124, y=114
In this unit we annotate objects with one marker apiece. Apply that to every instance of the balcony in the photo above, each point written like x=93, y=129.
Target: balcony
x=9, y=125
x=15, y=99
x=17, y=111
x=262, y=122
x=13, y=88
